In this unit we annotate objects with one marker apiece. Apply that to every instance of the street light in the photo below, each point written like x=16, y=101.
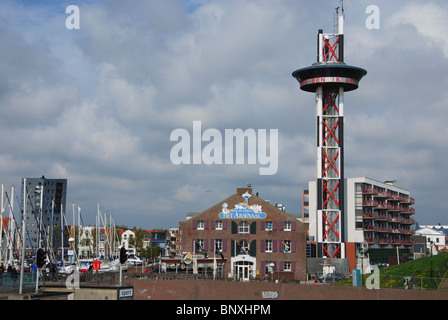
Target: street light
x=430, y=248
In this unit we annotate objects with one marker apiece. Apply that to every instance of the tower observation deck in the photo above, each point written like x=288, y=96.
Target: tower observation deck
x=329, y=78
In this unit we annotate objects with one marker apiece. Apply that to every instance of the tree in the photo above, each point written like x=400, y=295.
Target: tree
x=150, y=252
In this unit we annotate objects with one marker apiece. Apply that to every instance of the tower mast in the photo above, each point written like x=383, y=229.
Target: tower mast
x=329, y=78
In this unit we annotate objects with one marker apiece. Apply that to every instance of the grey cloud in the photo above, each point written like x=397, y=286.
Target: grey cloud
x=97, y=105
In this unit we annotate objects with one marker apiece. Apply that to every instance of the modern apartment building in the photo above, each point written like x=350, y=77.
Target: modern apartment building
x=45, y=200
x=377, y=221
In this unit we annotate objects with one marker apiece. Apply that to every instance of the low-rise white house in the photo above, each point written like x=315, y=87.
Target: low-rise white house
x=125, y=237
x=434, y=238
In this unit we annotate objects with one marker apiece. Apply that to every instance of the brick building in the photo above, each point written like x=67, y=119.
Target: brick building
x=255, y=238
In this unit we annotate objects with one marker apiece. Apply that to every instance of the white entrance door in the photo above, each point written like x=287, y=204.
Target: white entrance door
x=243, y=270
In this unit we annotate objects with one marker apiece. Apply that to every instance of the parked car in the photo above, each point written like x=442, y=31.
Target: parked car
x=331, y=277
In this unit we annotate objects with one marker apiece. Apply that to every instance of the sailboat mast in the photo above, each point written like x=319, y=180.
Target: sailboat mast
x=1, y=223
x=12, y=230
x=79, y=233
x=62, y=236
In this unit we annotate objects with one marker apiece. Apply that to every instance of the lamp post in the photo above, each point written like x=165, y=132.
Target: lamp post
x=430, y=248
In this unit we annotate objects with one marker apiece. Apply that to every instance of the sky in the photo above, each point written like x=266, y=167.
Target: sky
x=97, y=105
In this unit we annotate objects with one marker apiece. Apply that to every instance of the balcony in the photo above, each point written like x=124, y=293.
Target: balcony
x=408, y=221
x=401, y=231
x=382, y=206
x=369, y=190
x=393, y=197
x=369, y=203
x=377, y=229
x=387, y=229
x=374, y=240
x=375, y=216
x=383, y=229
x=407, y=200
x=395, y=219
x=368, y=215
x=382, y=194
x=405, y=210
x=371, y=240
x=395, y=208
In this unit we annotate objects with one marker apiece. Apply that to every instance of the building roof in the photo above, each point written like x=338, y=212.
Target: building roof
x=237, y=199
x=440, y=228
x=425, y=231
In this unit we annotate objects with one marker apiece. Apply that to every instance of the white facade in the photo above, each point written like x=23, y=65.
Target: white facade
x=125, y=237
x=437, y=238
x=375, y=213
x=354, y=204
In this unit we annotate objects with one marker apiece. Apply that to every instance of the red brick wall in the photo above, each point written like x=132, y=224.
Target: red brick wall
x=350, y=254
x=297, y=236
x=158, y=289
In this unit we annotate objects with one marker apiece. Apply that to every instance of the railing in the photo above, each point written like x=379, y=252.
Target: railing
x=393, y=197
x=369, y=190
x=387, y=194
x=11, y=283
x=369, y=203
x=387, y=217
x=405, y=199
x=375, y=240
x=408, y=210
x=382, y=194
x=402, y=282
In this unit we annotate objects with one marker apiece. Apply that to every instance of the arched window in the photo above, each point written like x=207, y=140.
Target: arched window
x=243, y=227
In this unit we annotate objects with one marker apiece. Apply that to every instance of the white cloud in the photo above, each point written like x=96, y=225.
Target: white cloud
x=430, y=19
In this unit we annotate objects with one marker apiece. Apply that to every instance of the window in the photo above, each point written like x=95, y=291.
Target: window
x=200, y=225
x=268, y=246
x=199, y=246
x=218, y=245
x=269, y=267
x=287, y=226
x=358, y=201
x=242, y=247
x=286, y=246
x=218, y=225
x=243, y=227
x=287, y=266
x=268, y=225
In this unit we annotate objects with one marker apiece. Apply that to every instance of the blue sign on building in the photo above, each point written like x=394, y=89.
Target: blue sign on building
x=242, y=211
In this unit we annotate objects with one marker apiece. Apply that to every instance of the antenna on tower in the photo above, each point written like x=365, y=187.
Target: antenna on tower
x=339, y=19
